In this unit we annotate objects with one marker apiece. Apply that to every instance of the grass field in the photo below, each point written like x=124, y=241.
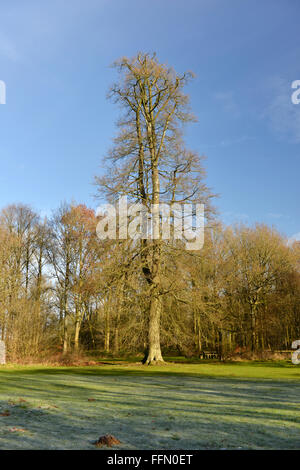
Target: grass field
x=176, y=406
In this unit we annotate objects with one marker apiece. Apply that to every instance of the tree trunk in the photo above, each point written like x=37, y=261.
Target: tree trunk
x=120, y=295
x=116, y=344
x=199, y=336
x=65, y=305
x=107, y=339
x=253, y=329
x=65, y=336
x=76, y=335
x=107, y=324
x=154, y=352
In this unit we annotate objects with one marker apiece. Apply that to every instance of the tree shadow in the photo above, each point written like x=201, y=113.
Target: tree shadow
x=163, y=412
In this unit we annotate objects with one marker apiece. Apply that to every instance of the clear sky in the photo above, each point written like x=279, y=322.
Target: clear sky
x=57, y=123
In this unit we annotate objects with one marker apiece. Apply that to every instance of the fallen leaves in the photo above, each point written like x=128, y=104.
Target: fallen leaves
x=18, y=402
x=15, y=429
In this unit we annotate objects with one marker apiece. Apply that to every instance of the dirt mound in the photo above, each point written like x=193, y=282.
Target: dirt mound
x=108, y=440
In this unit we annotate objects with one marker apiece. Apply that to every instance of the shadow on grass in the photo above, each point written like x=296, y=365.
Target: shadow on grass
x=156, y=414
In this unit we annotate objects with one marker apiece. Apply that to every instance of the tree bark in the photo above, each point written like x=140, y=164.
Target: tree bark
x=107, y=324
x=253, y=329
x=154, y=351
x=65, y=336
x=76, y=335
x=120, y=296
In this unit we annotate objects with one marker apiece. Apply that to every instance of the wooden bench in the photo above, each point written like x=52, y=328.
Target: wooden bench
x=209, y=355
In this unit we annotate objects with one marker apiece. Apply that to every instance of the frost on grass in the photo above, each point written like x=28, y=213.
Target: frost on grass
x=54, y=410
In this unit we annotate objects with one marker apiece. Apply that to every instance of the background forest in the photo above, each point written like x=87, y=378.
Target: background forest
x=64, y=290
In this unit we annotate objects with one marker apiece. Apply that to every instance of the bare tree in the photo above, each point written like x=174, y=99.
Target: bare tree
x=149, y=162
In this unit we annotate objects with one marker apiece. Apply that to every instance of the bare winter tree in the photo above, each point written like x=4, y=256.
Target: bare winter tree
x=149, y=162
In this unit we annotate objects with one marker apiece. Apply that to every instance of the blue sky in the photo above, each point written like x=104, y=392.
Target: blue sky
x=57, y=123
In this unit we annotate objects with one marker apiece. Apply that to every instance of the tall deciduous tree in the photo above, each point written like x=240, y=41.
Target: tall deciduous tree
x=149, y=162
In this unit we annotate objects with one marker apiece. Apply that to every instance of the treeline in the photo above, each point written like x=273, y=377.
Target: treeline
x=62, y=289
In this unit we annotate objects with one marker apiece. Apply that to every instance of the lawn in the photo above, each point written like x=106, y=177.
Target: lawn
x=176, y=406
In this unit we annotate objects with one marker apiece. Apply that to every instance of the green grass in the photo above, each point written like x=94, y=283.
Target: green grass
x=175, y=406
